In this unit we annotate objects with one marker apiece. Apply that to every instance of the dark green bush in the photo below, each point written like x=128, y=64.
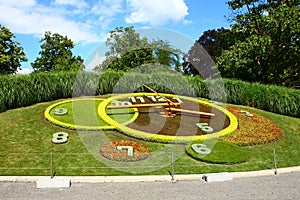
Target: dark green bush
x=23, y=90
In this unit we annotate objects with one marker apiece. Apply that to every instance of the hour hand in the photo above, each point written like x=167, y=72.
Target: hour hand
x=190, y=111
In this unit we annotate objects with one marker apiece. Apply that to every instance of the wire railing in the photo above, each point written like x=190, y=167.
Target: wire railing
x=85, y=164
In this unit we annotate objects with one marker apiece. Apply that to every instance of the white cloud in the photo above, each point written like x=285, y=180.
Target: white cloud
x=24, y=71
x=157, y=12
x=33, y=18
x=18, y=3
x=75, y=3
x=95, y=61
x=108, y=7
x=107, y=11
x=86, y=21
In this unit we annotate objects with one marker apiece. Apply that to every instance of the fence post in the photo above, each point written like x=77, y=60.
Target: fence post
x=275, y=162
x=51, y=164
x=172, y=165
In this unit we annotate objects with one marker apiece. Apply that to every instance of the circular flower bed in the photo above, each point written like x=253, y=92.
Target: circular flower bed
x=125, y=150
x=62, y=114
x=252, y=129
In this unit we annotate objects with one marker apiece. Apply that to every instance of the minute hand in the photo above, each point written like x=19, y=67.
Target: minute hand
x=191, y=112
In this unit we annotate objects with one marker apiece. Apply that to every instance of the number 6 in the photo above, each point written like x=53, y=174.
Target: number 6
x=201, y=149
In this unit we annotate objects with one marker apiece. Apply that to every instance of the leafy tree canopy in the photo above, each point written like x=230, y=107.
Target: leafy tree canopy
x=11, y=52
x=56, y=55
x=266, y=45
x=215, y=41
x=128, y=50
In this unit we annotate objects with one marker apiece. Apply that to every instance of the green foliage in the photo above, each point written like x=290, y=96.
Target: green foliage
x=56, y=55
x=221, y=153
x=267, y=97
x=266, y=47
x=215, y=41
x=130, y=60
x=198, y=62
x=127, y=50
x=23, y=90
x=11, y=52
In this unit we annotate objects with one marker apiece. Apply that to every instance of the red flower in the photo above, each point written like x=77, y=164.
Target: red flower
x=252, y=130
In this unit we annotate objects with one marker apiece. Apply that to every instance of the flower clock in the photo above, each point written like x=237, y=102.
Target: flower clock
x=164, y=118
x=168, y=118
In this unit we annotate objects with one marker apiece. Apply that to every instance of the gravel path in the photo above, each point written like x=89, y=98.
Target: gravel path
x=282, y=186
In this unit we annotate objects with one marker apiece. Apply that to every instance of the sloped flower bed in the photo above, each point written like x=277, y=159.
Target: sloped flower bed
x=252, y=130
x=111, y=152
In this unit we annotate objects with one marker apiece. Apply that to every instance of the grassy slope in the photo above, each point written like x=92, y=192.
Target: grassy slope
x=26, y=143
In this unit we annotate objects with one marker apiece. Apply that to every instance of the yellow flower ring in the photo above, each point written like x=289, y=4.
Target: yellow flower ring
x=55, y=121
x=166, y=138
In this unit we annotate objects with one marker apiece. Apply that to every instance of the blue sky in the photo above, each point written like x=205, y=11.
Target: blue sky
x=87, y=22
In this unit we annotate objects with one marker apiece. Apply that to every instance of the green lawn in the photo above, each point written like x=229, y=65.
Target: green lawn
x=26, y=145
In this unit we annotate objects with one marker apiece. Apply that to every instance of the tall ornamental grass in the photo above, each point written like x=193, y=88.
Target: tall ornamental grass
x=23, y=90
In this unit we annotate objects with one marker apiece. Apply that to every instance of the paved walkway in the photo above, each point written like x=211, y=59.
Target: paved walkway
x=254, y=185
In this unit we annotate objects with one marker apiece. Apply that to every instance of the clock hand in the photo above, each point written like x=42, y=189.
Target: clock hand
x=165, y=98
x=168, y=109
x=191, y=112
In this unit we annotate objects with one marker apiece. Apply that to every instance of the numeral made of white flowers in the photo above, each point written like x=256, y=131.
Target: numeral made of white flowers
x=135, y=99
x=129, y=149
x=157, y=99
x=246, y=113
x=60, y=137
x=205, y=127
x=121, y=103
x=152, y=98
x=178, y=100
x=60, y=111
x=201, y=149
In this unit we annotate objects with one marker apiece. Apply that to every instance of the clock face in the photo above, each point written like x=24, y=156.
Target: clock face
x=169, y=118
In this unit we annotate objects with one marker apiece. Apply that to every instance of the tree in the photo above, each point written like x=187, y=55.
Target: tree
x=11, y=52
x=56, y=55
x=212, y=42
x=128, y=50
x=198, y=62
x=166, y=55
x=267, y=44
x=215, y=41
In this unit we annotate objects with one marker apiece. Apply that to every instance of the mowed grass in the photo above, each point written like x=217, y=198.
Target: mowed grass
x=25, y=148
x=84, y=112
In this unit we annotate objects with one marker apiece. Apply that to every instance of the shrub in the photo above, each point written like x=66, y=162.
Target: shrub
x=23, y=90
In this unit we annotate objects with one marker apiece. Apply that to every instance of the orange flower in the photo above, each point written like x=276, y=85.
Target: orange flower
x=252, y=130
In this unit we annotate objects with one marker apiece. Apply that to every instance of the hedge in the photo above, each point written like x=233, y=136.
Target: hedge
x=23, y=90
